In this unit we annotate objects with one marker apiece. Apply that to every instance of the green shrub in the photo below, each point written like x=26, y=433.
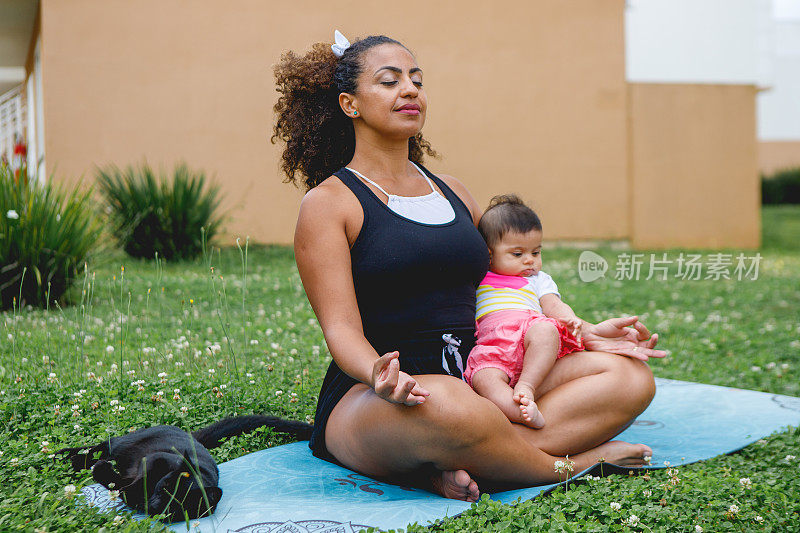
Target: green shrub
x=152, y=214
x=46, y=235
x=782, y=187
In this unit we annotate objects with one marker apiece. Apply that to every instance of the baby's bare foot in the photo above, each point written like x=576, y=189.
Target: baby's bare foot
x=529, y=411
x=523, y=389
x=531, y=416
x=456, y=485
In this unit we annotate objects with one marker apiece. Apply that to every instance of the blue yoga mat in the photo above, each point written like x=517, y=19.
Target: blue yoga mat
x=286, y=489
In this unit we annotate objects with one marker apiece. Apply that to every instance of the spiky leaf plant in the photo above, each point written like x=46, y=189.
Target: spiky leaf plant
x=47, y=232
x=160, y=214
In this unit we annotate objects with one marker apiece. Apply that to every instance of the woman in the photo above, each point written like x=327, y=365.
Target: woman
x=390, y=259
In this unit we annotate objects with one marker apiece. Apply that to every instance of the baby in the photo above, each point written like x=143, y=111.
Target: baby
x=523, y=326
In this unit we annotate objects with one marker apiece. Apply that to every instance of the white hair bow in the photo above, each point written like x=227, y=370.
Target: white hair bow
x=341, y=44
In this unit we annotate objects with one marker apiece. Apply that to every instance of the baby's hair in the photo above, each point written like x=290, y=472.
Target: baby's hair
x=507, y=213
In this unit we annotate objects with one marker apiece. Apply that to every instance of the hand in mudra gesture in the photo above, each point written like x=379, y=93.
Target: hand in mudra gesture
x=393, y=385
x=624, y=336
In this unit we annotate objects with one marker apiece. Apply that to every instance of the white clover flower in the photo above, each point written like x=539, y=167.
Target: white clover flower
x=11, y=214
x=746, y=483
x=784, y=366
x=51, y=375
x=278, y=392
x=176, y=391
x=118, y=520
x=212, y=371
x=69, y=490
x=615, y=506
x=789, y=458
x=633, y=520
x=113, y=495
x=755, y=368
x=698, y=529
x=109, y=349
x=759, y=518
x=14, y=461
x=647, y=493
x=733, y=509
x=184, y=409
x=253, y=342
x=162, y=374
x=559, y=466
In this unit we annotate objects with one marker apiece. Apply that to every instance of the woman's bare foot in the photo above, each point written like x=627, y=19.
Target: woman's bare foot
x=615, y=452
x=456, y=485
x=530, y=414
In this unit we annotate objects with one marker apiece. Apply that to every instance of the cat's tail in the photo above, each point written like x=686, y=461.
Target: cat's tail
x=210, y=436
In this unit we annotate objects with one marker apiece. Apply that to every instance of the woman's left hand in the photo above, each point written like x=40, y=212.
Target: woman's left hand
x=624, y=336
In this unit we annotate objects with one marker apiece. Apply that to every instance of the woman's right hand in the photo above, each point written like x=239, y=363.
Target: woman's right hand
x=393, y=385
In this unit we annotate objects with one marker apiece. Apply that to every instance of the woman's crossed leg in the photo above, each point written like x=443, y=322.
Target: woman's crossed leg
x=456, y=434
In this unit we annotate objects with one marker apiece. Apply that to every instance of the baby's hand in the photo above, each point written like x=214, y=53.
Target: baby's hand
x=574, y=324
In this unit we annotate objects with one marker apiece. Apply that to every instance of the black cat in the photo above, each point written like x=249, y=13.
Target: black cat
x=164, y=469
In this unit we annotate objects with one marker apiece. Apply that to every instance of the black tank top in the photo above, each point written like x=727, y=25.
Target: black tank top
x=415, y=285
x=410, y=277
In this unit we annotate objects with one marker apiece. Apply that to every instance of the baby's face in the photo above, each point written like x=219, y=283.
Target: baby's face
x=518, y=254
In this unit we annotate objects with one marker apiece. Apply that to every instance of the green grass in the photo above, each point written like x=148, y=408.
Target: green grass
x=259, y=337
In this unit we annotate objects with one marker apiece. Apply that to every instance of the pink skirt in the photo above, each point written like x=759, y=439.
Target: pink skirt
x=501, y=342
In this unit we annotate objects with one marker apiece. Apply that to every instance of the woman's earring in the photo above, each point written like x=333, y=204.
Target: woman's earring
x=355, y=113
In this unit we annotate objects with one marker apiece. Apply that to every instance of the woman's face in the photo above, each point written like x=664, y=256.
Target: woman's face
x=390, y=97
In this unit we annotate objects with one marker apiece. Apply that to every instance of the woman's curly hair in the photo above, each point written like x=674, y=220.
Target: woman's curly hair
x=319, y=137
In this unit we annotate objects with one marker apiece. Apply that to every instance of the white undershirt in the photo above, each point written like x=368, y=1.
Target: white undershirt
x=432, y=208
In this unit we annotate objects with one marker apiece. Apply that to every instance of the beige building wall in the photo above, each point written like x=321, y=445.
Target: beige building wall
x=776, y=155
x=524, y=96
x=693, y=166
